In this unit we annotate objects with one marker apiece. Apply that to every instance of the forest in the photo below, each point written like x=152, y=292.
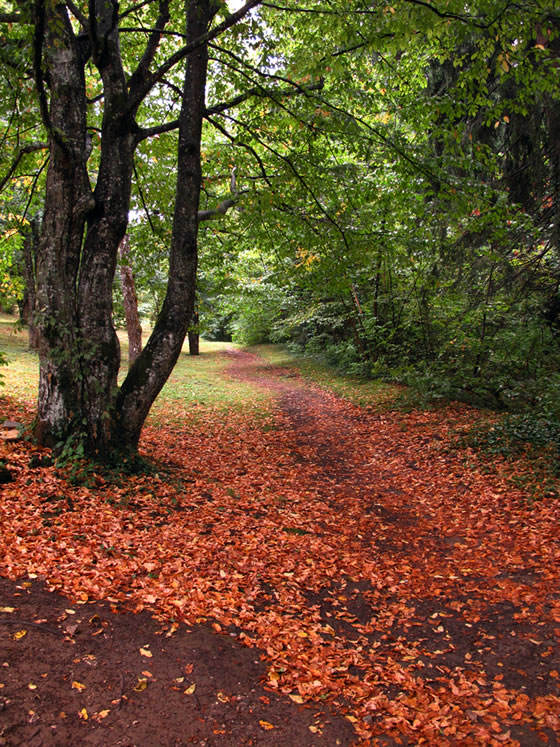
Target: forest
x=280, y=354
x=374, y=185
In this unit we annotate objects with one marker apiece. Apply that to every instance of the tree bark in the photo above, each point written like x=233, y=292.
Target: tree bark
x=67, y=203
x=79, y=349
x=152, y=368
x=194, y=336
x=130, y=302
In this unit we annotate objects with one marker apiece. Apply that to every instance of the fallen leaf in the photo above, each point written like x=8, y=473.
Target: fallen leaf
x=266, y=725
x=78, y=686
x=20, y=634
x=146, y=652
x=141, y=685
x=190, y=690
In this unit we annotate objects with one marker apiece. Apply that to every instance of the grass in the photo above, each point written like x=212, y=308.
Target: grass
x=363, y=392
x=195, y=381
x=20, y=378
x=201, y=381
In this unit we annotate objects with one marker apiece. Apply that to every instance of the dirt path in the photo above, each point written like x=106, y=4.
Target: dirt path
x=343, y=578
x=478, y=571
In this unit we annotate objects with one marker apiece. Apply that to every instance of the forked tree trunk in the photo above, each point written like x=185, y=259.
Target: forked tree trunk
x=77, y=254
x=130, y=303
x=82, y=230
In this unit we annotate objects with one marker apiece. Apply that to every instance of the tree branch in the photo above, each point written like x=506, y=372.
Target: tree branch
x=453, y=16
x=246, y=147
x=35, y=180
x=145, y=132
x=259, y=91
x=77, y=13
x=38, y=41
x=142, y=199
x=143, y=68
x=30, y=148
x=253, y=69
x=262, y=92
x=216, y=212
x=300, y=178
x=156, y=76
x=134, y=8
x=225, y=205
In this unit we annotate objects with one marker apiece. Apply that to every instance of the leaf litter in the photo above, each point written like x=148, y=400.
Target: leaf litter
x=404, y=585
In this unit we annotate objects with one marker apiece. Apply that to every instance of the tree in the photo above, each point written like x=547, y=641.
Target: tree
x=431, y=248
x=75, y=49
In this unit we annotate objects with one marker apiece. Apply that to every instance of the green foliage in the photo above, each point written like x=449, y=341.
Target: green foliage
x=512, y=434
x=532, y=438
x=394, y=241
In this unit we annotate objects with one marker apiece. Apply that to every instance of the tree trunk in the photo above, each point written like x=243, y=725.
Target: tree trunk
x=194, y=336
x=153, y=366
x=79, y=350
x=130, y=302
x=67, y=203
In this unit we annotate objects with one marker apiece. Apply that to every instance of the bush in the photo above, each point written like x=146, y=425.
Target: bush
x=514, y=433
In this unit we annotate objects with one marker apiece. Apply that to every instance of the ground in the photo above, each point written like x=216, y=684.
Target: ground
x=321, y=574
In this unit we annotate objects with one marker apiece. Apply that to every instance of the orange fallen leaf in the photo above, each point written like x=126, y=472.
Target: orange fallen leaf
x=266, y=725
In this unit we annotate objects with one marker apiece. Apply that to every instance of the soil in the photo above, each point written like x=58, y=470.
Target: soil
x=87, y=675
x=93, y=673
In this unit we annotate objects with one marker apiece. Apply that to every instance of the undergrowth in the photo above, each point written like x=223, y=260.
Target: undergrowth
x=532, y=440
